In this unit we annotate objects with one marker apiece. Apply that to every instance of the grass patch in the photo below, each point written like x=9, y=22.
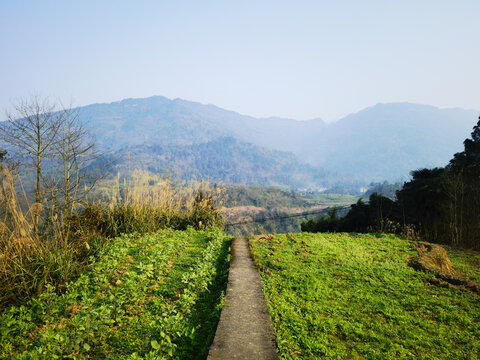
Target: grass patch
x=467, y=261
x=331, y=199
x=154, y=296
x=354, y=296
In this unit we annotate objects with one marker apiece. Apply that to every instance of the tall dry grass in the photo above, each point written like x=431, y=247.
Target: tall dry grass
x=146, y=203
x=27, y=263
x=143, y=203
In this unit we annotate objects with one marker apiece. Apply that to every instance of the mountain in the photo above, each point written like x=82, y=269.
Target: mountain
x=224, y=159
x=158, y=120
x=383, y=142
x=386, y=141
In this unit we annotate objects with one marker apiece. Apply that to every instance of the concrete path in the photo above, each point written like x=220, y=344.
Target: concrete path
x=245, y=328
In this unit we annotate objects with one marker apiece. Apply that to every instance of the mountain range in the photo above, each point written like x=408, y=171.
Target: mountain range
x=185, y=138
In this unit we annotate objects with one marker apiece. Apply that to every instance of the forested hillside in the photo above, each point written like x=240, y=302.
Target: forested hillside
x=439, y=205
x=225, y=160
x=383, y=142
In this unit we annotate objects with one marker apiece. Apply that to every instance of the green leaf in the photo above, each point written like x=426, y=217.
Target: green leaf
x=86, y=346
x=155, y=344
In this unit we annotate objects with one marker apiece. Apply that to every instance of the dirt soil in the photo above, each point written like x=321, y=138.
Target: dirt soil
x=245, y=329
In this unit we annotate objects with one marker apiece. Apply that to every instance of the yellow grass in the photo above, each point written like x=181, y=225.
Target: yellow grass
x=144, y=190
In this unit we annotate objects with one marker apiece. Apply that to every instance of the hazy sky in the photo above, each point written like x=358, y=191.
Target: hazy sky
x=297, y=59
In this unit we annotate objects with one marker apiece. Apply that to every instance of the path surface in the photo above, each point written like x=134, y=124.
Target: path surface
x=245, y=328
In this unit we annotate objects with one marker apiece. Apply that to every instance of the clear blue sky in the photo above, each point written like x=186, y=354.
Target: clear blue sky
x=297, y=59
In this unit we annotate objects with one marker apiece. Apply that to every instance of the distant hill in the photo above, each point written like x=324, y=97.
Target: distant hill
x=383, y=142
x=224, y=159
x=158, y=120
x=387, y=141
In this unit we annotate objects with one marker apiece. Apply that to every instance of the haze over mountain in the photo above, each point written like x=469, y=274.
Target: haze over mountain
x=224, y=159
x=158, y=120
x=383, y=142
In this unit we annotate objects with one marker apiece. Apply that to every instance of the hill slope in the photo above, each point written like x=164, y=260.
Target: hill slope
x=383, y=142
x=224, y=159
x=336, y=296
x=158, y=120
x=387, y=141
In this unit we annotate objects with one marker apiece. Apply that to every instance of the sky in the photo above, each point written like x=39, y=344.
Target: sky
x=293, y=59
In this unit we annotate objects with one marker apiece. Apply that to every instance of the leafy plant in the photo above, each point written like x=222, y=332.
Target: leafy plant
x=139, y=301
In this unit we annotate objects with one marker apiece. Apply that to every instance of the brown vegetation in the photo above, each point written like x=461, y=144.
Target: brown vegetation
x=433, y=258
x=145, y=203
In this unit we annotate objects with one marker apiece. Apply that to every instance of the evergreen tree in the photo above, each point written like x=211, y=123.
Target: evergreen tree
x=468, y=161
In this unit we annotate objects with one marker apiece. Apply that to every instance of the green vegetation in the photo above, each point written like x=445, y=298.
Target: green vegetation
x=331, y=199
x=224, y=159
x=245, y=203
x=467, y=261
x=354, y=296
x=374, y=216
x=143, y=204
x=272, y=197
x=146, y=297
x=439, y=205
x=263, y=196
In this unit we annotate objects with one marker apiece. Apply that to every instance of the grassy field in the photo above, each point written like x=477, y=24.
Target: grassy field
x=154, y=296
x=340, y=296
x=467, y=261
x=331, y=199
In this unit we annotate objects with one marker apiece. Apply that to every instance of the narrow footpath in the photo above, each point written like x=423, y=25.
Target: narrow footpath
x=245, y=329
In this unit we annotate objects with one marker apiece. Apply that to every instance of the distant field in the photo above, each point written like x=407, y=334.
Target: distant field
x=331, y=199
x=337, y=296
x=272, y=197
x=244, y=203
x=149, y=297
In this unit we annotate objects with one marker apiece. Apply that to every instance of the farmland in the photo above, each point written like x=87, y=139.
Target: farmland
x=354, y=296
x=149, y=296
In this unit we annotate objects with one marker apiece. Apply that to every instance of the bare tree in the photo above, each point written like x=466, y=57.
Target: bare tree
x=72, y=180
x=60, y=148
x=32, y=132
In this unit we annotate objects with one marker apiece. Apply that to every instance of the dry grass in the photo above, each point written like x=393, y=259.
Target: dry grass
x=27, y=263
x=143, y=190
x=144, y=204
x=434, y=259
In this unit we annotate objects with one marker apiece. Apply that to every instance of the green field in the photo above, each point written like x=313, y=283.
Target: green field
x=330, y=199
x=340, y=296
x=150, y=297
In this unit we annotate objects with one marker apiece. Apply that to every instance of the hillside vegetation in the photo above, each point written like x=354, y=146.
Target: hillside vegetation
x=440, y=205
x=256, y=209
x=264, y=196
x=66, y=247
x=224, y=160
x=346, y=296
x=382, y=142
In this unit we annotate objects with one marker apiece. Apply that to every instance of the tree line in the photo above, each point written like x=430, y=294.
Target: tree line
x=438, y=205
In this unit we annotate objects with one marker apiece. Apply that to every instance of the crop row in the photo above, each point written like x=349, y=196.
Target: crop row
x=126, y=306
